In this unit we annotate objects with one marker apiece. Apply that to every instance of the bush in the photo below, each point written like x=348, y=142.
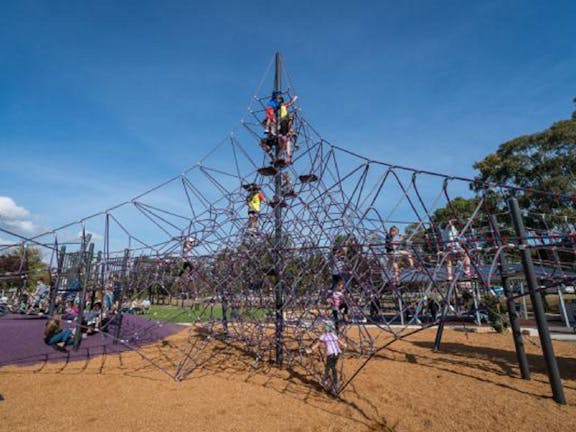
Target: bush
x=497, y=312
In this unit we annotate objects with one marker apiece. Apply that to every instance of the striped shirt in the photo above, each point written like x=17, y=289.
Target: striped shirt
x=337, y=299
x=331, y=341
x=338, y=265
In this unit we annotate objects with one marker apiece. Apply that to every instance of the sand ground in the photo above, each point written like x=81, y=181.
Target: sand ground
x=473, y=384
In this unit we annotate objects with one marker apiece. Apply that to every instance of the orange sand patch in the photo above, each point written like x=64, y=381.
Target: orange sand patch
x=472, y=385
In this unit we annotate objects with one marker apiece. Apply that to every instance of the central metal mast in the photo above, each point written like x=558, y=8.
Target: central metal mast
x=278, y=247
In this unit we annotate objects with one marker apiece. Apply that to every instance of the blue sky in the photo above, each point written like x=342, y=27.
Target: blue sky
x=101, y=100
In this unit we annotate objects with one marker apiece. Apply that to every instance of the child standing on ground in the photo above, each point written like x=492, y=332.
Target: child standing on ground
x=333, y=346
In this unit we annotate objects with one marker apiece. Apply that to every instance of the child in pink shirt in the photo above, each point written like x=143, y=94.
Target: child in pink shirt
x=333, y=346
x=338, y=303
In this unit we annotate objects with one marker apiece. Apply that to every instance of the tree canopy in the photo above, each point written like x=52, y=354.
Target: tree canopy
x=459, y=209
x=543, y=161
x=23, y=263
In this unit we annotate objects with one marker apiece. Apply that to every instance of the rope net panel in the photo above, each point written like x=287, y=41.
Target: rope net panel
x=276, y=235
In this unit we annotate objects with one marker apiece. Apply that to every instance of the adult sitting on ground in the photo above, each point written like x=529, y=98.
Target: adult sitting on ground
x=135, y=307
x=57, y=337
x=146, y=304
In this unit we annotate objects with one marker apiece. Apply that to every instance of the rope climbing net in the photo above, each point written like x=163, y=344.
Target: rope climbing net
x=277, y=236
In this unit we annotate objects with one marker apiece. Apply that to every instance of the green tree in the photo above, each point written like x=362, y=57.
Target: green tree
x=427, y=238
x=26, y=261
x=543, y=161
x=459, y=209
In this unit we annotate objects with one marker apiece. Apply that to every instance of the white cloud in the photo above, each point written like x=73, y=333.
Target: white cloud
x=10, y=211
x=17, y=219
x=24, y=227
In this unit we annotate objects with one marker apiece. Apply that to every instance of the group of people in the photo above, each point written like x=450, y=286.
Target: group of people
x=278, y=143
x=97, y=315
x=94, y=320
x=278, y=126
x=28, y=303
x=38, y=301
x=397, y=254
x=450, y=252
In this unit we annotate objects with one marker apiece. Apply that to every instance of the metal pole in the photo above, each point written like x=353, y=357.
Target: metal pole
x=224, y=304
x=524, y=306
x=123, y=287
x=401, y=308
x=96, y=273
x=56, y=285
x=278, y=261
x=563, y=311
x=475, y=297
x=86, y=257
x=535, y=296
x=512, y=315
x=445, y=309
x=22, y=288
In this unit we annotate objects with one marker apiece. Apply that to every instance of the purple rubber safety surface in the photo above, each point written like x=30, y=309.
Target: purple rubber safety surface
x=22, y=339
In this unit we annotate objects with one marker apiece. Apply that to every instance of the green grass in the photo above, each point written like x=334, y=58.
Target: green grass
x=176, y=314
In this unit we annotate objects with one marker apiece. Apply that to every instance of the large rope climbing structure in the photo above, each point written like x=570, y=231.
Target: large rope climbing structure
x=257, y=235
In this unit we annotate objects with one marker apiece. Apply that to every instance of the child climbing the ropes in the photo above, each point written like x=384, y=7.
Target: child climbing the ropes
x=276, y=112
x=283, y=107
x=267, y=145
x=286, y=191
x=395, y=252
x=188, y=244
x=287, y=186
x=454, y=250
x=57, y=337
x=338, y=265
x=333, y=346
x=285, y=136
x=270, y=120
x=286, y=132
x=254, y=201
x=338, y=304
